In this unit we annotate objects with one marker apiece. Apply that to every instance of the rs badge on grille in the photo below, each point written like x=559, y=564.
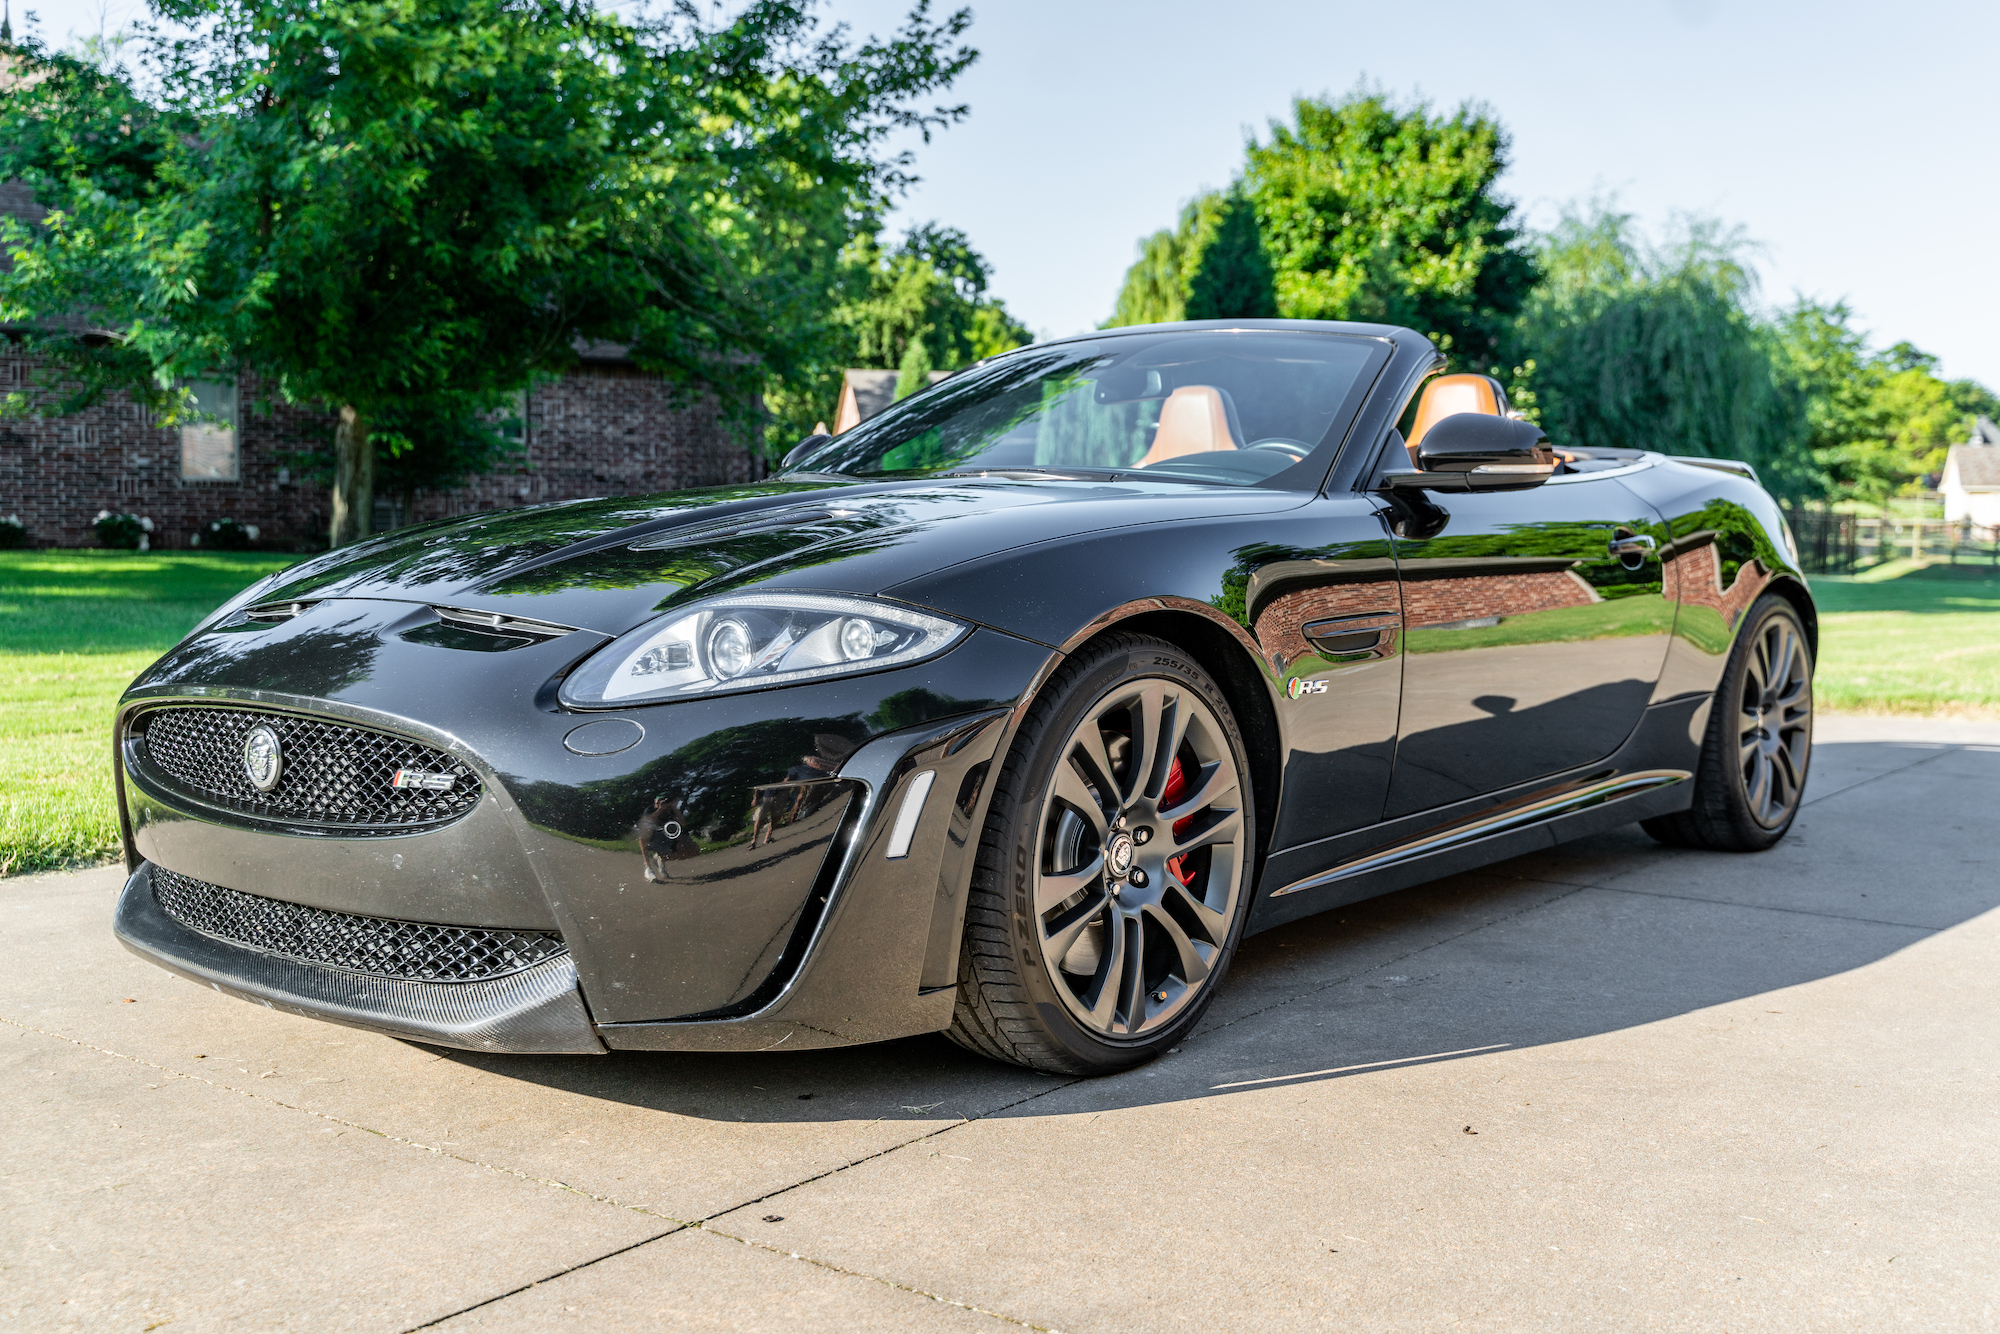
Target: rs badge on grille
x=428, y=782
x=263, y=758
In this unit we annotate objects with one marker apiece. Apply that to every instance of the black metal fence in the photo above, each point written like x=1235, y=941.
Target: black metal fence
x=1834, y=543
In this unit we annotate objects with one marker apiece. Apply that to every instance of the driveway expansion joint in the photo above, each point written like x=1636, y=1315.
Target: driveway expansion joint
x=1766, y=907
x=702, y=1225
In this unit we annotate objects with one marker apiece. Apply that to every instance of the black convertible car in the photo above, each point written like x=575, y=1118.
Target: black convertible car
x=1007, y=713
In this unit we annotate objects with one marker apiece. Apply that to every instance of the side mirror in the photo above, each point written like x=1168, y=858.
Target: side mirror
x=801, y=449
x=1475, y=451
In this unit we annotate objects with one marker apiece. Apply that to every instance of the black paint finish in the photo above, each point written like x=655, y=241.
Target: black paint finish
x=719, y=866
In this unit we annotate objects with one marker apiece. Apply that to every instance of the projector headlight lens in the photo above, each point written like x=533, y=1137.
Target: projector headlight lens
x=750, y=641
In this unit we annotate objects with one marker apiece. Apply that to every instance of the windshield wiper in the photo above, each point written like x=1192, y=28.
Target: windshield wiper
x=1064, y=474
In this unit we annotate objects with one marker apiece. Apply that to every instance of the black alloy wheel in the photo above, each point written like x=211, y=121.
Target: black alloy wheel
x=1754, y=759
x=1114, y=870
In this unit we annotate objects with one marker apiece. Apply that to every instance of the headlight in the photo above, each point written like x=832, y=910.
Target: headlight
x=755, y=640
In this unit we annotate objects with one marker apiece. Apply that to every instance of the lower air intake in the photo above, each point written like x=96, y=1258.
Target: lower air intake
x=381, y=946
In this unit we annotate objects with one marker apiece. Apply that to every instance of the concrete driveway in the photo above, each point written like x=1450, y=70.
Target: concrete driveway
x=1605, y=1087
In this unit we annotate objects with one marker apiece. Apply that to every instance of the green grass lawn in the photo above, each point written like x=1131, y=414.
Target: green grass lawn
x=1905, y=638
x=75, y=628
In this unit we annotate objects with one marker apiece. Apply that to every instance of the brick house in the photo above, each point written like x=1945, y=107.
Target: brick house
x=604, y=428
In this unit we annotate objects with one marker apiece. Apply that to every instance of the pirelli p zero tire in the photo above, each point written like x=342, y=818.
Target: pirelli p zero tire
x=1113, y=875
x=1754, y=759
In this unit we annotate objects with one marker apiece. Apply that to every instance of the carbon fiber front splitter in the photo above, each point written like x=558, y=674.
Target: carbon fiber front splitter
x=537, y=1010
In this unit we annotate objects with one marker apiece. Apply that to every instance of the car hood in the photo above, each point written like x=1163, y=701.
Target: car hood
x=608, y=565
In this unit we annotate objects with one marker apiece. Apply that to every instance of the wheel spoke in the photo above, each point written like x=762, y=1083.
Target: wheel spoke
x=1151, y=713
x=1787, y=658
x=1110, y=980
x=1052, y=887
x=1193, y=968
x=1090, y=740
x=1071, y=790
x=1757, y=672
x=1060, y=940
x=1223, y=829
x=1785, y=766
x=1757, y=787
x=1217, y=782
x=1213, y=923
x=1132, y=983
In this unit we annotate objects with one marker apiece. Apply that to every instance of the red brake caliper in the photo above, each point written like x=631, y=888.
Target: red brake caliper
x=1177, y=789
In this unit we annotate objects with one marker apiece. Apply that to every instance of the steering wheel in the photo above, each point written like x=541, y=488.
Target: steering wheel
x=1298, y=449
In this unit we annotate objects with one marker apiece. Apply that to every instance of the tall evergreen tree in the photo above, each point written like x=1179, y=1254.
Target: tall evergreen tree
x=1232, y=276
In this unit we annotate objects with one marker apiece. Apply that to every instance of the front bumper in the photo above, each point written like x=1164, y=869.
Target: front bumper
x=810, y=933
x=539, y=1009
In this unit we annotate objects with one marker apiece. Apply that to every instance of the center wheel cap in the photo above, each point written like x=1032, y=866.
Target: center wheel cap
x=1118, y=855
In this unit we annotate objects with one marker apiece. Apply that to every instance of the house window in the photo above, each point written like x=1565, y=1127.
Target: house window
x=513, y=423
x=208, y=445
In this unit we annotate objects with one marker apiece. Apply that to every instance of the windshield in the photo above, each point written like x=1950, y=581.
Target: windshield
x=1233, y=408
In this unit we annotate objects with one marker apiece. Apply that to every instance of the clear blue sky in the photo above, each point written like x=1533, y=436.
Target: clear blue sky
x=1859, y=143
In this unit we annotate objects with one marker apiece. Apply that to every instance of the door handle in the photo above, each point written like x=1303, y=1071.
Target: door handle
x=1631, y=549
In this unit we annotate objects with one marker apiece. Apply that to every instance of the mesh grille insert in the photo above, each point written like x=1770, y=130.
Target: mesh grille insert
x=383, y=946
x=334, y=773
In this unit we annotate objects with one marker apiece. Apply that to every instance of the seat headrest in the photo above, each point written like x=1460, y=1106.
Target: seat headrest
x=1449, y=395
x=1193, y=420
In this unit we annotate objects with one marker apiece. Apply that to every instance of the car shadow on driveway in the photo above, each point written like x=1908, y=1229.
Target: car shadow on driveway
x=1607, y=933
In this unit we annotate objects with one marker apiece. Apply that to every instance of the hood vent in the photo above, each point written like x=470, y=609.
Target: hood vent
x=270, y=613
x=494, y=623
x=753, y=523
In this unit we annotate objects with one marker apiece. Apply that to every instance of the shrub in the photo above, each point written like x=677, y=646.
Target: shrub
x=127, y=532
x=13, y=533
x=225, y=535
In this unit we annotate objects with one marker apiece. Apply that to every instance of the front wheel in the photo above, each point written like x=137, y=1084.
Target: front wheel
x=1752, y=772
x=1113, y=872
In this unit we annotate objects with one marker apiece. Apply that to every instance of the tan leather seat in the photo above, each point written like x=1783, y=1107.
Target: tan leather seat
x=1193, y=420
x=1449, y=395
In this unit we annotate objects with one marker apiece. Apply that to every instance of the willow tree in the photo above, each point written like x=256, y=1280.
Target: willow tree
x=1661, y=347
x=404, y=209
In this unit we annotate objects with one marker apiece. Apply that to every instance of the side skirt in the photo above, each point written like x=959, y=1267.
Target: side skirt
x=1647, y=776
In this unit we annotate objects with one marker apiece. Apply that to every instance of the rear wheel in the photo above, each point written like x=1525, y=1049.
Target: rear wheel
x=1113, y=872
x=1752, y=773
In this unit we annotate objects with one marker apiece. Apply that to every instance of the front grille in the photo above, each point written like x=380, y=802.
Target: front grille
x=334, y=773
x=383, y=946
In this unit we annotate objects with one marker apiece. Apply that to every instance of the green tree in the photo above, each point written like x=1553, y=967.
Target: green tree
x=1155, y=287
x=930, y=288
x=1879, y=423
x=1232, y=276
x=1211, y=266
x=403, y=209
x=1649, y=347
x=915, y=372
x=1373, y=211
